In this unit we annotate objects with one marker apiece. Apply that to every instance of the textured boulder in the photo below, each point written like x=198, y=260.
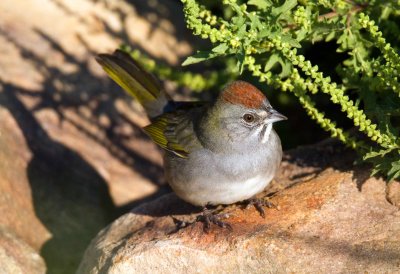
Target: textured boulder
x=71, y=150
x=393, y=193
x=327, y=221
x=17, y=257
x=47, y=61
x=21, y=233
x=46, y=192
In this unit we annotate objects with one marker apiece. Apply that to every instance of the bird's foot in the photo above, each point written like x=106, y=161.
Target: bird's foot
x=259, y=204
x=208, y=217
x=179, y=224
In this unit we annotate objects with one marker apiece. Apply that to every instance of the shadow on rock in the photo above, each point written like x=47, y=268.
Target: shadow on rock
x=327, y=153
x=83, y=90
x=70, y=198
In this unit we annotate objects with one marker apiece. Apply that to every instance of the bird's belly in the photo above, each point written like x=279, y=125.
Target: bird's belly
x=228, y=192
x=219, y=181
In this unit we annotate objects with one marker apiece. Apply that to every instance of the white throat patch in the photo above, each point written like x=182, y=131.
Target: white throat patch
x=265, y=132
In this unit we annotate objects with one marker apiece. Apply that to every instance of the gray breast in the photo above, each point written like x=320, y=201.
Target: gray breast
x=204, y=169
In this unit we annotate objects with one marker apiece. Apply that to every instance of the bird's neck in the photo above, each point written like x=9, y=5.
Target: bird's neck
x=212, y=133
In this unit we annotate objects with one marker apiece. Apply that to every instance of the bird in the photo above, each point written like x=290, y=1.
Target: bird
x=215, y=153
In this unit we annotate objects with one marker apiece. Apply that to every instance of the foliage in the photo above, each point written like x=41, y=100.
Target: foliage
x=194, y=81
x=268, y=38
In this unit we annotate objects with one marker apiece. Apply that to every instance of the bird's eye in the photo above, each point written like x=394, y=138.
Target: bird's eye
x=248, y=118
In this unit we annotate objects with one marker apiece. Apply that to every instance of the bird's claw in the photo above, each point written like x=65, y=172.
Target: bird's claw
x=208, y=218
x=259, y=204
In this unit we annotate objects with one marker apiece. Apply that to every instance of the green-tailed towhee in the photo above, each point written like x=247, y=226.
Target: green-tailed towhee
x=220, y=152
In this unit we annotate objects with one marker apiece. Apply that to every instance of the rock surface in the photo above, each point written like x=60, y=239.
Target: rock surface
x=393, y=193
x=47, y=60
x=17, y=257
x=21, y=232
x=329, y=220
x=71, y=150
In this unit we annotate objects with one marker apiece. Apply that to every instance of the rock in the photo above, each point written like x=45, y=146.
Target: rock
x=46, y=193
x=326, y=221
x=47, y=58
x=16, y=205
x=21, y=232
x=17, y=257
x=393, y=193
x=71, y=150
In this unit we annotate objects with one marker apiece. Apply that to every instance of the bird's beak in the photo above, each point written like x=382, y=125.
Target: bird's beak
x=275, y=116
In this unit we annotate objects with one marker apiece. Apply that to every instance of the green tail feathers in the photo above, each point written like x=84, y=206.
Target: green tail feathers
x=142, y=85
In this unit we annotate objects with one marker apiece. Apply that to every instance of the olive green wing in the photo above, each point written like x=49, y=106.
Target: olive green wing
x=174, y=132
x=158, y=132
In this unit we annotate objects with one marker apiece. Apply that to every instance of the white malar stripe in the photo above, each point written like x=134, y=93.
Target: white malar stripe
x=266, y=133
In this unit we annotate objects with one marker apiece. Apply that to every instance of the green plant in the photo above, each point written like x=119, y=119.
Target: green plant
x=194, y=81
x=268, y=38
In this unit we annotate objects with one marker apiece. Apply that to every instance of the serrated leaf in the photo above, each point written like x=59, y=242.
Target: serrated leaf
x=286, y=68
x=242, y=31
x=255, y=22
x=265, y=32
x=375, y=171
x=374, y=154
x=260, y=4
x=240, y=63
x=330, y=36
x=288, y=5
x=271, y=61
x=238, y=21
x=220, y=49
x=274, y=59
x=291, y=41
x=394, y=171
x=302, y=34
x=198, y=57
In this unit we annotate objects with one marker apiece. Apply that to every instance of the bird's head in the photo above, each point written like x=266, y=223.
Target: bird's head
x=242, y=115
